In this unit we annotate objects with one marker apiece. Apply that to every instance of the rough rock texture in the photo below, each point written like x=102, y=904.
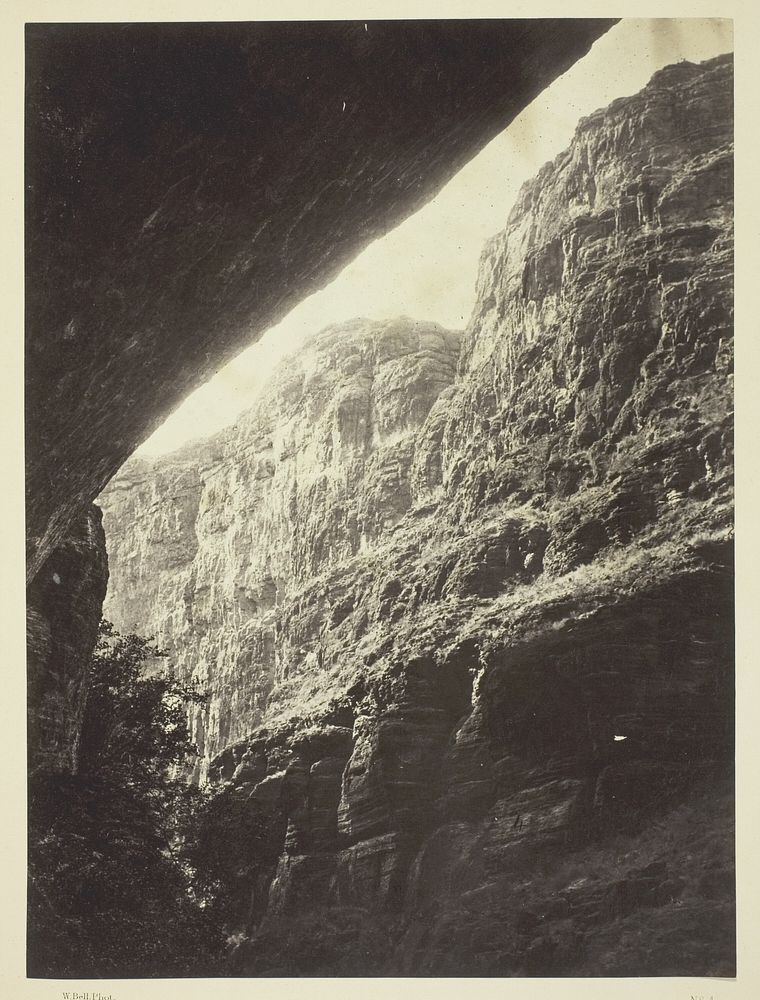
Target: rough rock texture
x=490, y=701
x=64, y=606
x=186, y=184
x=242, y=523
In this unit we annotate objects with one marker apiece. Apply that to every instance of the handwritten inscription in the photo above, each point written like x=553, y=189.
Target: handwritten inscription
x=87, y=996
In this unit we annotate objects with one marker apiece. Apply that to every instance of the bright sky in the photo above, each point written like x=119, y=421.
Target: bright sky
x=426, y=268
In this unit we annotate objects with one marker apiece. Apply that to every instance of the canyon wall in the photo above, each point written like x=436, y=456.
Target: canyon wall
x=187, y=184
x=209, y=546
x=464, y=611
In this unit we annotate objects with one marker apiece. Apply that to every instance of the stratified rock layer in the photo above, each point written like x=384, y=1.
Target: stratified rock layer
x=63, y=612
x=469, y=639
x=248, y=522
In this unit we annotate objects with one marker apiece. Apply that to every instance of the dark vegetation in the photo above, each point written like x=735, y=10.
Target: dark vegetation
x=133, y=872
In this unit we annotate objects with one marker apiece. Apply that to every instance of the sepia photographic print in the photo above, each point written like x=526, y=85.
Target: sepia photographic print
x=379, y=499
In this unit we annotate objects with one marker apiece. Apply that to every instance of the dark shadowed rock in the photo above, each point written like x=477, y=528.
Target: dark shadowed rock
x=187, y=184
x=63, y=612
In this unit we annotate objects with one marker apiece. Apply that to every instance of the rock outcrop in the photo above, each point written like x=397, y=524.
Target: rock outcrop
x=187, y=184
x=469, y=637
x=63, y=611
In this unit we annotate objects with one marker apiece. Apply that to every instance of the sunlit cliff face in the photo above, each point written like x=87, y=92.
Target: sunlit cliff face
x=427, y=267
x=589, y=367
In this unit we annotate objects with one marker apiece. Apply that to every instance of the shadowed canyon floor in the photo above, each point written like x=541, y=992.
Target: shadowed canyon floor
x=463, y=601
